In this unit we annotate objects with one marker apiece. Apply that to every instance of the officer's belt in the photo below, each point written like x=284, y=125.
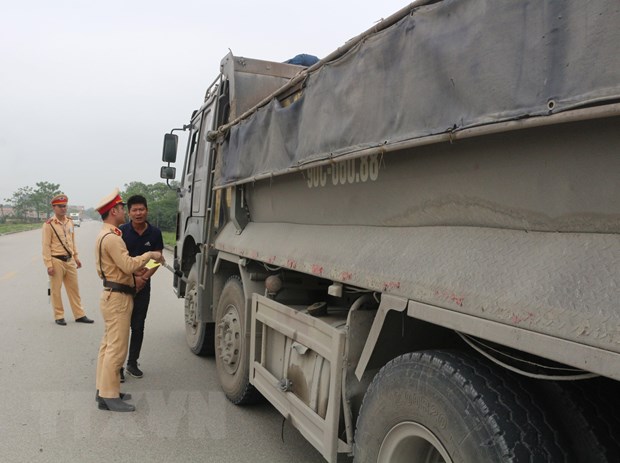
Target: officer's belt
x=63, y=258
x=119, y=288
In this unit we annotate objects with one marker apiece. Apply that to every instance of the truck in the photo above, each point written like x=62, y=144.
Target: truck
x=75, y=217
x=411, y=248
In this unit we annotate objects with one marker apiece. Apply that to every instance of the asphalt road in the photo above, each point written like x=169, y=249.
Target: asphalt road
x=47, y=380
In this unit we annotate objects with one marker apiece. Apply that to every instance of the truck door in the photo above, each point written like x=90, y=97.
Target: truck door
x=193, y=203
x=187, y=193
x=201, y=170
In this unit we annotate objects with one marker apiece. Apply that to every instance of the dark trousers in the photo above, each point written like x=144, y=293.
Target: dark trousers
x=138, y=317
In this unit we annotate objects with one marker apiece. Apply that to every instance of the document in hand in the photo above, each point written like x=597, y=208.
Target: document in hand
x=151, y=264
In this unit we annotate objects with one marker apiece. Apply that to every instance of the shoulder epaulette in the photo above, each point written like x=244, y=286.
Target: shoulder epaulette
x=117, y=232
x=49, y=220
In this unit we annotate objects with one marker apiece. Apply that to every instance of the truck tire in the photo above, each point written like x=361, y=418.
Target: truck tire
x=232, y=350
x=200, y=336
x=448, y=407
x=585, y=413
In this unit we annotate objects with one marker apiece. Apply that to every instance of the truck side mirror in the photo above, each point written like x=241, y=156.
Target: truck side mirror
x=168, y=172
x=170, y=148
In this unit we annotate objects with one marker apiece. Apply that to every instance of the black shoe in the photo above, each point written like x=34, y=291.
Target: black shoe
x=122, y=396
x=84, y=319
x=122, y=375
x=134, y=371
x=115, y=405
x=61, y=321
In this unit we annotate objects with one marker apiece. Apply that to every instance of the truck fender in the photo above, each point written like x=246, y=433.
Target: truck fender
x=387, y=304
x=249, y=286
x=225, y=256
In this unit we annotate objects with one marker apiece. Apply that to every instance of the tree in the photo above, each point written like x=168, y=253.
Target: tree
x=22, y=201
x=162, y=201
x=43, y=195
x=136, y=188
x=28, y=202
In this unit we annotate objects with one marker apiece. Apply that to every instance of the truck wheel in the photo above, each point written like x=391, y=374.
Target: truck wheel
x=585, y=411
x=199, y=335
x=448, y=407
x=232, y=350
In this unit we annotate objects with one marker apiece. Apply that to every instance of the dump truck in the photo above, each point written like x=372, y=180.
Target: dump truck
x=411, y=248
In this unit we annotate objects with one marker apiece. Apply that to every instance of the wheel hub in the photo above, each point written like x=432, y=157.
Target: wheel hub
x=409, y=441
x=191, y=297
x=229, y=339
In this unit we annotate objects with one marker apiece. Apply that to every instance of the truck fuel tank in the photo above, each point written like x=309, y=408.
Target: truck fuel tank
x=297, y=363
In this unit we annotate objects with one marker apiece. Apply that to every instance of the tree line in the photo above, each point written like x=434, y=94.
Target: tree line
x=32, y=204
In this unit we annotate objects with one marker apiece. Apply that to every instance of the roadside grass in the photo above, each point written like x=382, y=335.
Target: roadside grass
x=169, y=238
x=18, y=227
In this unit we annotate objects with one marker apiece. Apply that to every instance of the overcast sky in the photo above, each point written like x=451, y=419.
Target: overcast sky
x=88, y=89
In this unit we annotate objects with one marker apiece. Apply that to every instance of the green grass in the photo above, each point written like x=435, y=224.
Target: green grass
x=169, y=238
x=18, y=227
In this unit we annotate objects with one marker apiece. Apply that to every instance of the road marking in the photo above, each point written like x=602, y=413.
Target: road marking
x=8, y=276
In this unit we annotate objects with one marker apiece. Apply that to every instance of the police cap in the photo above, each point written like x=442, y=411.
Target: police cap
x=109, y=202
x=59, y=199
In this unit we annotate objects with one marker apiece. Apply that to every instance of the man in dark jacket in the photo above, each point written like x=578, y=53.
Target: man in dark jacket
x=140, y=236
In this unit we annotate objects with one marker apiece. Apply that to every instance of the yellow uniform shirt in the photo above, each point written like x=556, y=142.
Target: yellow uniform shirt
x=52, y=246
x=112, y=257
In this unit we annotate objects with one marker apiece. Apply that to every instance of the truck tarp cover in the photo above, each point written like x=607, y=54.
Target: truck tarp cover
x=447, y=66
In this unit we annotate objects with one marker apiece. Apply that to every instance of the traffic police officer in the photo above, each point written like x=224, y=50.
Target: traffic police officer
x=116, y=268
x=60, y=256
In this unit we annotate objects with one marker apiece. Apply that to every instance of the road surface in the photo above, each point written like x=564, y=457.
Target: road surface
x=47, y=380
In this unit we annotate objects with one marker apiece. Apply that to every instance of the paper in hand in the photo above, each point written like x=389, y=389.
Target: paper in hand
x=151, y=264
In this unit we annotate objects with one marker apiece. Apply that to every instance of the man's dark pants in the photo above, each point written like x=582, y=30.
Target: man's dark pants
x=138, y=317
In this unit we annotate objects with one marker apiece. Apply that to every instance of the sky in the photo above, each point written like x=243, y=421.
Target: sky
x=88, y=89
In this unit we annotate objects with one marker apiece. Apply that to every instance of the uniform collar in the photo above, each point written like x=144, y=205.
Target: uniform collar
x=113, y=229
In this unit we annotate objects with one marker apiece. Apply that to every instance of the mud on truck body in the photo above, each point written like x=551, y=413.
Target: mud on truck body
x=412, y=247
